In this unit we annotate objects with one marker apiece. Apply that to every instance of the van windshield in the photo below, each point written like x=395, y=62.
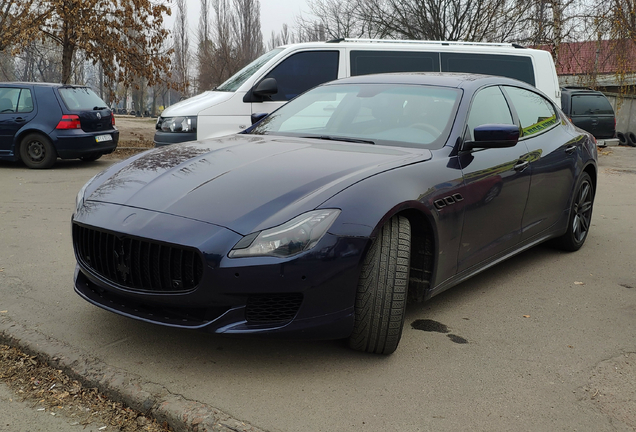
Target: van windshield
x=233, y=83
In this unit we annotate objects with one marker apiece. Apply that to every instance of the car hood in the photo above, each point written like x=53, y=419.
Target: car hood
x=192, y=106
x=244, y=182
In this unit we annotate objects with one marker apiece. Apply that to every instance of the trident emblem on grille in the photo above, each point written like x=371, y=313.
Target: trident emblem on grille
x=122, y=262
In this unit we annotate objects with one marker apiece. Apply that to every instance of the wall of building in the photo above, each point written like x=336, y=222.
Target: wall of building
x=625, y=109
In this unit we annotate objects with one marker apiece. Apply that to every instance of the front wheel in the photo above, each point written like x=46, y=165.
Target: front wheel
x=580, y=216
x=381, y=295
x=37, y=151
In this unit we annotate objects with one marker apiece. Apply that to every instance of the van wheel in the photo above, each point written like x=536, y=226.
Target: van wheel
x=37, y=151
x=381, y=295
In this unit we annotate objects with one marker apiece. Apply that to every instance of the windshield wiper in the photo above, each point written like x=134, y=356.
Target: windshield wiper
x=337, y=138
x=98, y=108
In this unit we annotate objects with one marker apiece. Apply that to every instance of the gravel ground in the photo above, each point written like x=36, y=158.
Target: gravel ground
x=49, y=390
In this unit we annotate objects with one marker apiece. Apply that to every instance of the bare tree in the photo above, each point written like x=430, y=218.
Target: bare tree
x=335, y=19
x=247, y=29
x=181, y=50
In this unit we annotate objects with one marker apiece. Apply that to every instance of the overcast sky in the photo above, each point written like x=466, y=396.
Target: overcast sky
x=274, y=13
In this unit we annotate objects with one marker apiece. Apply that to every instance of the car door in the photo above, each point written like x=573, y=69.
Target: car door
x=553, y=156
x=298, y=73
x=496, y=185
x=16, y=110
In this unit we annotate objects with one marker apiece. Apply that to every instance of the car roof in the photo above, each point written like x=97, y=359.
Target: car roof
x=466, y=81
x=40, y=84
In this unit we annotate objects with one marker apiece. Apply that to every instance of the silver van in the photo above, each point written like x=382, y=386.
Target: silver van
x=287, y=71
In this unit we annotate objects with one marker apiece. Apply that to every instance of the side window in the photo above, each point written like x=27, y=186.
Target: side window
x=9, y=100
x=489, y=107
x=518, y=67
x=300, y=72
x=535, y=113
x=370, y=62
x=25, y=103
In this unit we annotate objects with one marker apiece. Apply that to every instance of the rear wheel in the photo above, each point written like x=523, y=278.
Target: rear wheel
x=580, y=216
x=382, y=288
x=37, y=151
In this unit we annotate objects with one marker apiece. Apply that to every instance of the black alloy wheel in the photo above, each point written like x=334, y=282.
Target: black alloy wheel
x=580, y=216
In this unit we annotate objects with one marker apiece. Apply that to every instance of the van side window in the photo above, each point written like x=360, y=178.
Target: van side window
x=370, y=62
x=518, y=67
x=300, y=72
x=535, y=113
x=489, y=107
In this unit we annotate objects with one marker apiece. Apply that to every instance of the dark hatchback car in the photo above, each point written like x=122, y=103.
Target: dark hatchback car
x=590, y=110
x=319, y=220
x=40, y=122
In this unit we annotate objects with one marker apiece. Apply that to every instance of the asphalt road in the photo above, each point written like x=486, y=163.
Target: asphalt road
x=550, y=340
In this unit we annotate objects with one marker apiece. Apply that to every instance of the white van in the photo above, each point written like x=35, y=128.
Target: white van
x=287, y=71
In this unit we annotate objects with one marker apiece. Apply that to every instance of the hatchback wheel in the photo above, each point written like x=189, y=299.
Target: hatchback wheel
x=37, y=151
x=580, y=216
x=382, y=288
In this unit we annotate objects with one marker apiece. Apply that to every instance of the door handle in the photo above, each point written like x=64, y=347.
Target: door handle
x=20, y=119
x=570, y=149
x=521, y=165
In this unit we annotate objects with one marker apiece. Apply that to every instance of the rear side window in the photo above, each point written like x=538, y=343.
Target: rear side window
x=300, y=72
x=517, y=67
x=370, y=62
x=591, y=104
x=81, y=99
x=15, y=100
x=535, y=113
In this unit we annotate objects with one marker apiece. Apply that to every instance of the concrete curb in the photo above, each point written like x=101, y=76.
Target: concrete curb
x=181, y=414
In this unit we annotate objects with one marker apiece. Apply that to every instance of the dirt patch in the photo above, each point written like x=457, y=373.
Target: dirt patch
x=611, y=388
x=51, y=390
x=135, y=134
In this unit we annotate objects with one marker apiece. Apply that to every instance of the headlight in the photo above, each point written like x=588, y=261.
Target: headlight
x=79, y=199
x=177, y=124
x=291, y=238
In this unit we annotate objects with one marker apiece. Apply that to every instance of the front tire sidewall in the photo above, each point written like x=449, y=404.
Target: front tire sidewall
x=382, y=290
x=37, y=151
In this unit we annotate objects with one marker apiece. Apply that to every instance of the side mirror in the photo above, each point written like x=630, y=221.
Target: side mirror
x=256, y=117
x=494, y=136
x=267, y=87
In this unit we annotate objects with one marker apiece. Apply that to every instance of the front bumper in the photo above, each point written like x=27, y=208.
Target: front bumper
x=166, y=138
x=309, y=296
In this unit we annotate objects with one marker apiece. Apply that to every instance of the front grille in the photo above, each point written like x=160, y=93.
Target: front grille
x=272, y=308
x=138, y=264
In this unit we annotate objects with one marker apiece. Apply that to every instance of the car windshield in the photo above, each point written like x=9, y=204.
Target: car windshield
x=81, y=99
x=234, y=82
x=387, y=114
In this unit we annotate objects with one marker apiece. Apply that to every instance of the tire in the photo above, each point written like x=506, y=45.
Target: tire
x=631, y=139
x=381, y=294
x=622, y=139
x=91, y=158
x=580, y=216
x=37, y=151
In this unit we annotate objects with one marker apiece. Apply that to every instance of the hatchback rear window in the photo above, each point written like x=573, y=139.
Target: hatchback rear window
x=81, y=99
x=591, y=104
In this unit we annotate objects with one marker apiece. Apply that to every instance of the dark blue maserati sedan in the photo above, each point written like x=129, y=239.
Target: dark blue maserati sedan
x=40, y=122
x=323, y=218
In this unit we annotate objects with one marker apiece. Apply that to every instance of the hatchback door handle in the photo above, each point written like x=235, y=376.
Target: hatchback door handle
x=19, y=119
x=521, y=165
x=570, y=149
